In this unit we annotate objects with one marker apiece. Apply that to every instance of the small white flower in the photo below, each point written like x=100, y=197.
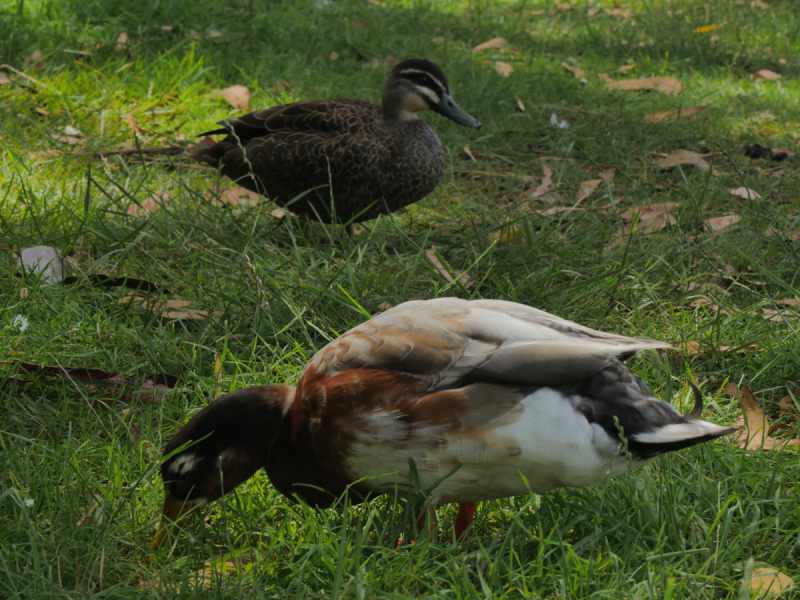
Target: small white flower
x=28, y=502
x=556, y=122
x=20, y=322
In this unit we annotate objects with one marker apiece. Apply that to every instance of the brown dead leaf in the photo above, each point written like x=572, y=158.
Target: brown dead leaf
x=625, y=13
x=789, y=301
x=503, y=68
x=239, y=197
x=497, y=43
x=148, y=205
x=705, y=303
x=773, y=315
x=131, y=121
x=674, y=114
x=685, y=158
x=787, y=406
x=578, y=72
x=766, y=581
x=767, y=75
x=754, y=425
x=520, y=105
x=66, y=139
x=586, y=188
x=667, y=85
x=384, y=306
x=4, y=79
x=238, y=96
x=746, y=193
x=464, y=278
x=625, y=68
x=606, y=78
x=564, y=6
x=759, y=4
x=469, y=153
x=123, y=41
x=547, y=182
x=764, y=116
x=722, y=223
x=649, y=217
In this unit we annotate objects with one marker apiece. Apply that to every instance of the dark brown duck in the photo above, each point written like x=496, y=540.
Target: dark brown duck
x=342, y=160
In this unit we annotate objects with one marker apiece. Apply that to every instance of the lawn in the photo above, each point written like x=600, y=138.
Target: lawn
x=535, y=208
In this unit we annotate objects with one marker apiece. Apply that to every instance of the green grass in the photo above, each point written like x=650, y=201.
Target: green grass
x=683, y=527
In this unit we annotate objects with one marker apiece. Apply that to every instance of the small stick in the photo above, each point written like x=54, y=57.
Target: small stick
x=21, y=74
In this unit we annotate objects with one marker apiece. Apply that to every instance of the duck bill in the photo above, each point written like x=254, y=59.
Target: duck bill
x=448, y=108
x=173, y=513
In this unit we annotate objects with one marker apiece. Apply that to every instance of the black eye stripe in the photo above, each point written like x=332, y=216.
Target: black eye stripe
x=424, y=80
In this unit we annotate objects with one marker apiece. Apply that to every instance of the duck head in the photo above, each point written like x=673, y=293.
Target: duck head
x=220, y=447
x=416, y=85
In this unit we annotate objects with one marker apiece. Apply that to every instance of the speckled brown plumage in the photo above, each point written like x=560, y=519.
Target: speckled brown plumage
x=353, y=159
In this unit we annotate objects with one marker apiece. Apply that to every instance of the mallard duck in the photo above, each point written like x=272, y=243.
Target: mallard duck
x=494, y=389
x=343, y=160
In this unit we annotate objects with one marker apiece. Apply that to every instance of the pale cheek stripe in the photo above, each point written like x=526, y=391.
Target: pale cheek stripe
x=423, y=91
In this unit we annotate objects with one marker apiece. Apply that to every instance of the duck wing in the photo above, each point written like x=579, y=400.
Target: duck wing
x=315, y=117
x=450, y=342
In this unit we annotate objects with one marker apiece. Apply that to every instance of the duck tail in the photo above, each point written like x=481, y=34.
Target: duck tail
x=686, y=432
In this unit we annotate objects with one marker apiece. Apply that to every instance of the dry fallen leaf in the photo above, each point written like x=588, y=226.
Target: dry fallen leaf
x=685, y=158
x=4, y=79
x=625, y=13
x=520, y=105
x=384, y=306
x=759, y=4
x=547, y=182
x=764, y=116
x=674, y=114
x=238, y=96
x=769, y=582
x=239, y=197
x=706, y=28
x=767, y=75
x=586, y=188
x=464, y=278
x=578, y=72
x=722, y=223
x=650, y=217
x=606, y=78
x=557, y=210
x=148, y=205
x=123, y=41
x=131, y=121
x=667, y=85
x=565, y=6
x=754, y=424
x=746, y=193
x=503, y=68
x=496, y=43
x=787, y=406
x=469, y=153
x=625, y=68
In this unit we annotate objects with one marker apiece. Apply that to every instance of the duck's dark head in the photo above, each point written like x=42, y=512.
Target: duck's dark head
x=415, y=85
x=220, y=447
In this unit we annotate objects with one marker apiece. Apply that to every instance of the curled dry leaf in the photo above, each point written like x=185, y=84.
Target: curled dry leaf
x=503, y=68
x=755, y=425
x=746, y=193
x=685, y=158
x=464, y=278
x=787, y=406
x=547, y=182
x=578, y=72
x=586, y=188
x=497, y=43
x=722, y=223
x=673, y=114
x=767, y=75
x=238, y=96
x=667, y=85
x=766, y=581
